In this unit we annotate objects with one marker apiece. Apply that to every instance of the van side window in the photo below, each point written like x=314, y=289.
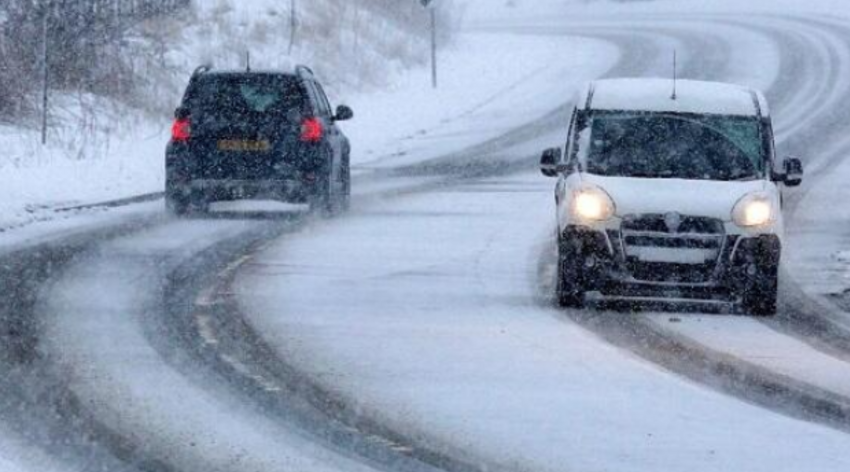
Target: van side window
x=769, y=147
x=569, y=155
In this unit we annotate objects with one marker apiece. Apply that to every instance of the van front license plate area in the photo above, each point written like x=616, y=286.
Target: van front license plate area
x=240, y=145
x=672, y=256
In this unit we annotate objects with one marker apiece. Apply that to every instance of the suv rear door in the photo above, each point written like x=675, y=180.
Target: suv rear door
x=245, y=126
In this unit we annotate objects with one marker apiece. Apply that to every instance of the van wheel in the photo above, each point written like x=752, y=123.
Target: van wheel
x=761, y=298
x=568, y=292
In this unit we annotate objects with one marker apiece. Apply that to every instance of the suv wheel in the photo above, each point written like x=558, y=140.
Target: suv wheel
x=177, y=205
x=321, y=202
x=345, y=198
x=760, y=299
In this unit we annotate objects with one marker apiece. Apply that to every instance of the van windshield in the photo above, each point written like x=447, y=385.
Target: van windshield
x=675, y=146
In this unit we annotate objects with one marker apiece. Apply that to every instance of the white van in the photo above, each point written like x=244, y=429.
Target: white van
x=670, y=192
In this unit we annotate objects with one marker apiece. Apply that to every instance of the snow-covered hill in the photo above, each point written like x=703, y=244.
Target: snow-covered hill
x=101, y=148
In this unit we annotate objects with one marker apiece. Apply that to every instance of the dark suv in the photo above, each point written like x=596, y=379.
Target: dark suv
x=257, y=135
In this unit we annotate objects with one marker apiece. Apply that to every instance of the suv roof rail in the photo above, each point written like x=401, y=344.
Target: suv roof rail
x=202, y=69
x=303, y=71
x=757, y=103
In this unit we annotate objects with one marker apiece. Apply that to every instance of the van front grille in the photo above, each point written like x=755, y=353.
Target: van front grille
x=672, y=249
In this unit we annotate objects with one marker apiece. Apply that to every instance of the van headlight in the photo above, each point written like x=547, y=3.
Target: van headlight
x=753, y=211
x=592, y=204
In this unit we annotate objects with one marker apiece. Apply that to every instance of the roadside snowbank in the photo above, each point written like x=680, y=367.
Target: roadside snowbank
x=103, y=150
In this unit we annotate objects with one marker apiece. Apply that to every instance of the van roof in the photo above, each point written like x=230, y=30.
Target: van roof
x=692, y=96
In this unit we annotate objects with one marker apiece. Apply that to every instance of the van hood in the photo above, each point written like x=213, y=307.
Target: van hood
x=706, y=198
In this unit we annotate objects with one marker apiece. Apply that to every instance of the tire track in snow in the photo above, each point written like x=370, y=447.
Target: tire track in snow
x=35, y=397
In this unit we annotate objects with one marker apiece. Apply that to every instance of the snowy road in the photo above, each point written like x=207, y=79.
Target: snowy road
x=416, y=333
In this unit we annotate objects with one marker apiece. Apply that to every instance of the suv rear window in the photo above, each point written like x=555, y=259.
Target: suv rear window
x=221, y=101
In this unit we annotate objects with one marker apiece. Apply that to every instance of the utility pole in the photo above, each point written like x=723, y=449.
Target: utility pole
x=429, y=4
x=293, y=24
x=45, y=58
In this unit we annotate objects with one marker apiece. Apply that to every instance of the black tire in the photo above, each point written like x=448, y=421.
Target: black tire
x=177, y=206
x=345, y=198
x=321, y=202
x=182, y=205
x=200, y=205
x=761, y=298
x=568, y=291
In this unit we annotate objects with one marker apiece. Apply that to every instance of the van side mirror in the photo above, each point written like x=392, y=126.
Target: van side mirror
x=550, y=162
x=793, y=172
x=343, y=113
x=182, y=113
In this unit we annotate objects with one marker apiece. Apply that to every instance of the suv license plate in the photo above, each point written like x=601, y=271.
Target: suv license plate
x=237, y=145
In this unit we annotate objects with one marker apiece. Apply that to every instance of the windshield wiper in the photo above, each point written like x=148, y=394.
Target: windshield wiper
x=743, y=178
x=649, y=175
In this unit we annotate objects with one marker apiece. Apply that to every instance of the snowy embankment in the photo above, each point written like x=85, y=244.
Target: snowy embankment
x=101, y=149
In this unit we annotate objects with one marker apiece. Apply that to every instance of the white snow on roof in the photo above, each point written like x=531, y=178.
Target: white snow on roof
x=691, y=97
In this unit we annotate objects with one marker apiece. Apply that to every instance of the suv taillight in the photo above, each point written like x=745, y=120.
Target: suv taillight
x=181, y=131
x=312, y=130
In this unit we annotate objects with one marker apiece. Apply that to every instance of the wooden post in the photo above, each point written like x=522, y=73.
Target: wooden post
x=45, y=58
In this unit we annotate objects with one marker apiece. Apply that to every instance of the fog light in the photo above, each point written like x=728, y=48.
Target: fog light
x=590, y=262
x=752, y=269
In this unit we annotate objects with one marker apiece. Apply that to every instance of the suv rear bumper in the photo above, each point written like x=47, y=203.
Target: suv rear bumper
x=603, y=266
x=286, y=190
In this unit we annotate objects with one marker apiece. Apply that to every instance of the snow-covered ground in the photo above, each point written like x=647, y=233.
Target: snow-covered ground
x=105, y=344
x=489, y=83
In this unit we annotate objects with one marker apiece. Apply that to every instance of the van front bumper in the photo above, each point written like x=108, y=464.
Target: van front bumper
x=608, y=265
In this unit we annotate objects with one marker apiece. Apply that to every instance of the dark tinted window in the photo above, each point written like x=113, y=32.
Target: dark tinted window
x=218, y=101
x=675, y=146
x=321, y=108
